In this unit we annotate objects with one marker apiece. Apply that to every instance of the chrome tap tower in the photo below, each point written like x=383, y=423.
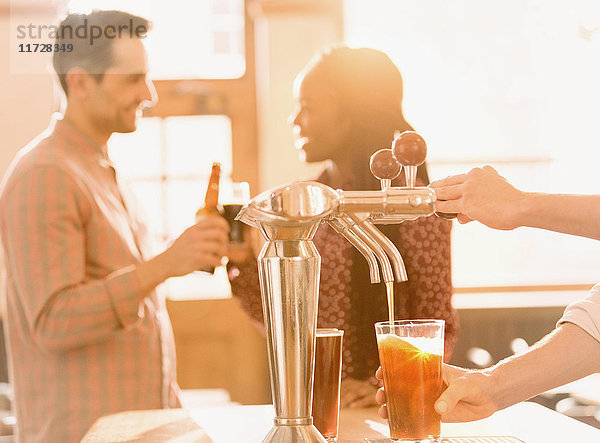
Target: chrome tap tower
x=289, y=269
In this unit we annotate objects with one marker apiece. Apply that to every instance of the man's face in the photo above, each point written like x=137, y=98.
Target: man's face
x=117, y=100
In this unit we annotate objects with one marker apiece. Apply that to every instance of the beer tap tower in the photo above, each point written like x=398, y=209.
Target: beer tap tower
x=289, y=266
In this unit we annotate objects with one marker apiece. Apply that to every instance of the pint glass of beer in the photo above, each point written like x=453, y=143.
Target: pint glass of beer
x=326, y=391
x=232, y=197
x=411, y=354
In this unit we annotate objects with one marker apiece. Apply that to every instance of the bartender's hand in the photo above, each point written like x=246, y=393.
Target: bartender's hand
x=466, y=398
x=357, y=393
x=483, y=195
x=380, y=397
x=201, y=245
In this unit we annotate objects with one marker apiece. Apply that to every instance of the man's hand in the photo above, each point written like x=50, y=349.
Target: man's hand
x=357, y=393
x=466, y=398
x=483, y=195
x=199, y=246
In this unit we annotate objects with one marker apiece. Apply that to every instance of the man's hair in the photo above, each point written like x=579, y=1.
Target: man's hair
x=92, y=36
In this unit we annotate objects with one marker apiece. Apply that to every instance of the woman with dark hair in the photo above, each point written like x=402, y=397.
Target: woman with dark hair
x=349, y=105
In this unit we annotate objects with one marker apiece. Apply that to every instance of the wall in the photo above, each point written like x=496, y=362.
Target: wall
x=28, y=100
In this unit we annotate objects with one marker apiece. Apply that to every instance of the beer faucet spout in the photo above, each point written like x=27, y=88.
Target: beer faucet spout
x=357, y=226
x=341, y=226
x=389, y=248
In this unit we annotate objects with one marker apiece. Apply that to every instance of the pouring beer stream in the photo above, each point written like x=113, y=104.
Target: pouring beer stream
x=289, y=266
x=409, y=151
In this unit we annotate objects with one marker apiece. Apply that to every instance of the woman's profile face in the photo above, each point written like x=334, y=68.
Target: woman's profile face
x=320, y=126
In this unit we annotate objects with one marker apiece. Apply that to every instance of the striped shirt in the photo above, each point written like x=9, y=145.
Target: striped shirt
x=82, y=339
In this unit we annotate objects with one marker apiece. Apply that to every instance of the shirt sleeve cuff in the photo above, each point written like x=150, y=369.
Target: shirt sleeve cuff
x=585, y=313
x=123, y=288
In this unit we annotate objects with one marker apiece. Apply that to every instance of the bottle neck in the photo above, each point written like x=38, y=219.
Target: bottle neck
x=211, y=199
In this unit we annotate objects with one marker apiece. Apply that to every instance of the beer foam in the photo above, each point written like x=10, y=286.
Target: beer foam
x=329, y=333
x=424, y=344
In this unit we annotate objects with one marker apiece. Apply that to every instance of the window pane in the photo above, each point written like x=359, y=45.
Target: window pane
x=189, y=39
x=199, y=285
x=128, y=150
x=151, y=199
x=195, y=142
x=183, y=198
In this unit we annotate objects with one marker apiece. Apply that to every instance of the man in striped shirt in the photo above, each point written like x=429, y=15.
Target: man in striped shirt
x=87, y=334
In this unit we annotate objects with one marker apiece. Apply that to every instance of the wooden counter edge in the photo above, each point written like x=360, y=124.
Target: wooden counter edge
x=147, y=425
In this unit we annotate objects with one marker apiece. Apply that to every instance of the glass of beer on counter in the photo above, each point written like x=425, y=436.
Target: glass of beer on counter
x=326, y=391
x=411, y=355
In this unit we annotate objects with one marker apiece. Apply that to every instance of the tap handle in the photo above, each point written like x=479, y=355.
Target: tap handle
x=385, y=167
x=410, y=150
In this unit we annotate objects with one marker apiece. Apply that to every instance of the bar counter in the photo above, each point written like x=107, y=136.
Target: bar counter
x=529, y=422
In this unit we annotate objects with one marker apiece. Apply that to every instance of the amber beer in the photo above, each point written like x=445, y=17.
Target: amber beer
x=326, y=391
x=411, y=355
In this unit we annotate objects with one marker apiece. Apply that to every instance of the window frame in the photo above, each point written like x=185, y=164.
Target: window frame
x=235, y=98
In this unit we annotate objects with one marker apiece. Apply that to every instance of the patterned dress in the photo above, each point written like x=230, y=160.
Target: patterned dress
x=348, y=300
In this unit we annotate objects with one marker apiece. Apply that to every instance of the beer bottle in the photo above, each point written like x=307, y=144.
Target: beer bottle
x=211, y=200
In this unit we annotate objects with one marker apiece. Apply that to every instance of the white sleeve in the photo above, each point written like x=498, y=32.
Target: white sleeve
x=585, y=313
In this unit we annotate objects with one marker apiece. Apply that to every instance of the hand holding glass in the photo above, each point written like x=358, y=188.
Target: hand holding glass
x=411, y=354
